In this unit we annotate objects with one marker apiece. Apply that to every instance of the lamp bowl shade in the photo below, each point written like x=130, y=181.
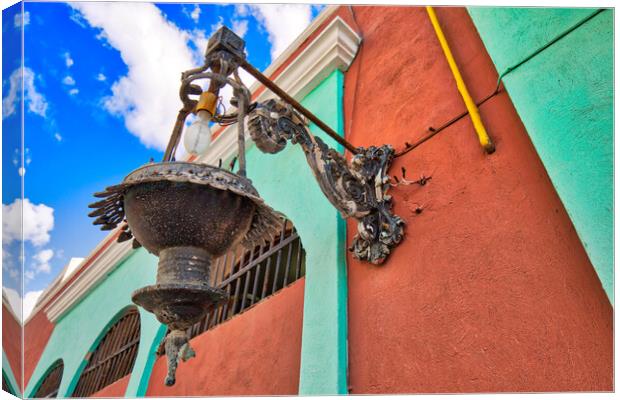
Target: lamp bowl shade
x=164, y=214
x=186, y=214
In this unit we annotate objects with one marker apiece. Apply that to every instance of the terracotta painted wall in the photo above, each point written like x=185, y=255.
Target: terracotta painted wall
x=12, y=342
x=565, y=98
x=255, y=353
x=36, y=335
x=116, y=389
x=492, y=289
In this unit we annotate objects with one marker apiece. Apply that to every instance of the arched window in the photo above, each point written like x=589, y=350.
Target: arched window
x=50, y=384
x=250, y=275
x=114, y=356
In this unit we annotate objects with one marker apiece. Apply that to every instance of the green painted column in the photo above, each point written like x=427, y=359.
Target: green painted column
x=286, y=183
x=152, y=333
x=564, y=96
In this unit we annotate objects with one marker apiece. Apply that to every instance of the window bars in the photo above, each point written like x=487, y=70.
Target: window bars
x=51, y=382
x=249, y=276
x=114, y=356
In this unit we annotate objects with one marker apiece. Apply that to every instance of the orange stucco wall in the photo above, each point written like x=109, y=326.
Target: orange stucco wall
x=116, y=389
x=491, y=289
x=36, y=334
x=254, y=353
x=12, y=342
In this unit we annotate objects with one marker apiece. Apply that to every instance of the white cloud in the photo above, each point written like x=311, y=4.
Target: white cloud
x=147, y=97
x=240, y=27
x=16, y=303
x=8, y=262
x=38, y=221
x=242, y=10
x=217, y=25
x=42, y=259
x=68, y=59
x=35, y=101
x=74, y=91
x=283, y=22
x=27, y=156
x=195, y=14
x=30, y=301
x=18, y=19
x=199, y=38
x=101, y=77
x=58, y=137
x=68, y=80
x=41, y=264
x=14, y=300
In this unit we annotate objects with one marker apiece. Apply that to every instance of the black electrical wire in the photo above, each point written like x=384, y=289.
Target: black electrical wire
x=434, y=131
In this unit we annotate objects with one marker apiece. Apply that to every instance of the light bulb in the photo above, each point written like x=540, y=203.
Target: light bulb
x=198, y=134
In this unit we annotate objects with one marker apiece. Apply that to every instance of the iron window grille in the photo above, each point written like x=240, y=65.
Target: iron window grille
x=249, y=276
x=113, y=358
x=51, y=383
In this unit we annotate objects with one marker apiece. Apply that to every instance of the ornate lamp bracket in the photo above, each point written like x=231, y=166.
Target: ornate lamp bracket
x=357, y=188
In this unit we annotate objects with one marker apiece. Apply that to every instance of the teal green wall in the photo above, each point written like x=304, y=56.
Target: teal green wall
x=286, y=183
x=7, y=372
x=564, y=97
x=79, y=331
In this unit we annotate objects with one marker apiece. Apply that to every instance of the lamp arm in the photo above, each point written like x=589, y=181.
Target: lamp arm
x=357, y=189
x=269, y=84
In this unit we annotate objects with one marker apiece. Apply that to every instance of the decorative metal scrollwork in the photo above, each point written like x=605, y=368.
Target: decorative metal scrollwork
x=357, y=188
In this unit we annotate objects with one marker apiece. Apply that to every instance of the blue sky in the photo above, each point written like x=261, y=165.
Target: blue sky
x=100, y=88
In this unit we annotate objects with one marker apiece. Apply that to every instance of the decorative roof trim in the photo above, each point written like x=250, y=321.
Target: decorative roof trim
x=9, y=307
x=58, y=284
x=108, y=260
x=333, y=48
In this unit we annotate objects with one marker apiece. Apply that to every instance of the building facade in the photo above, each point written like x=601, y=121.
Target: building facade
x=504, y=281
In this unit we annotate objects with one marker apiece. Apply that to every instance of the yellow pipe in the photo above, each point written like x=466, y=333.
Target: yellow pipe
x=483, y=136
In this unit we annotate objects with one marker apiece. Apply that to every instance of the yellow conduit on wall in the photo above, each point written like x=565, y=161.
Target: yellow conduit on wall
x=483, y=136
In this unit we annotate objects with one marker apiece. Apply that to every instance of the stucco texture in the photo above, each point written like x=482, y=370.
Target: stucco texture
x=491, y=289
x=317, y=363
x=36, y=335
x=564, y=96
x=80, y=330
x=254, y=353
x=286, y=183
x=11, y=347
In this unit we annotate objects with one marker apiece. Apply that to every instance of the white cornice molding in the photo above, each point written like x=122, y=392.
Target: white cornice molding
x=57, y=283
x=333, y=48
x=7, y=304
x=111, y=256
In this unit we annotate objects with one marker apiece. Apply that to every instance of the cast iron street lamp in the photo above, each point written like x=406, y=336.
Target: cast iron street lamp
x=189, y=213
